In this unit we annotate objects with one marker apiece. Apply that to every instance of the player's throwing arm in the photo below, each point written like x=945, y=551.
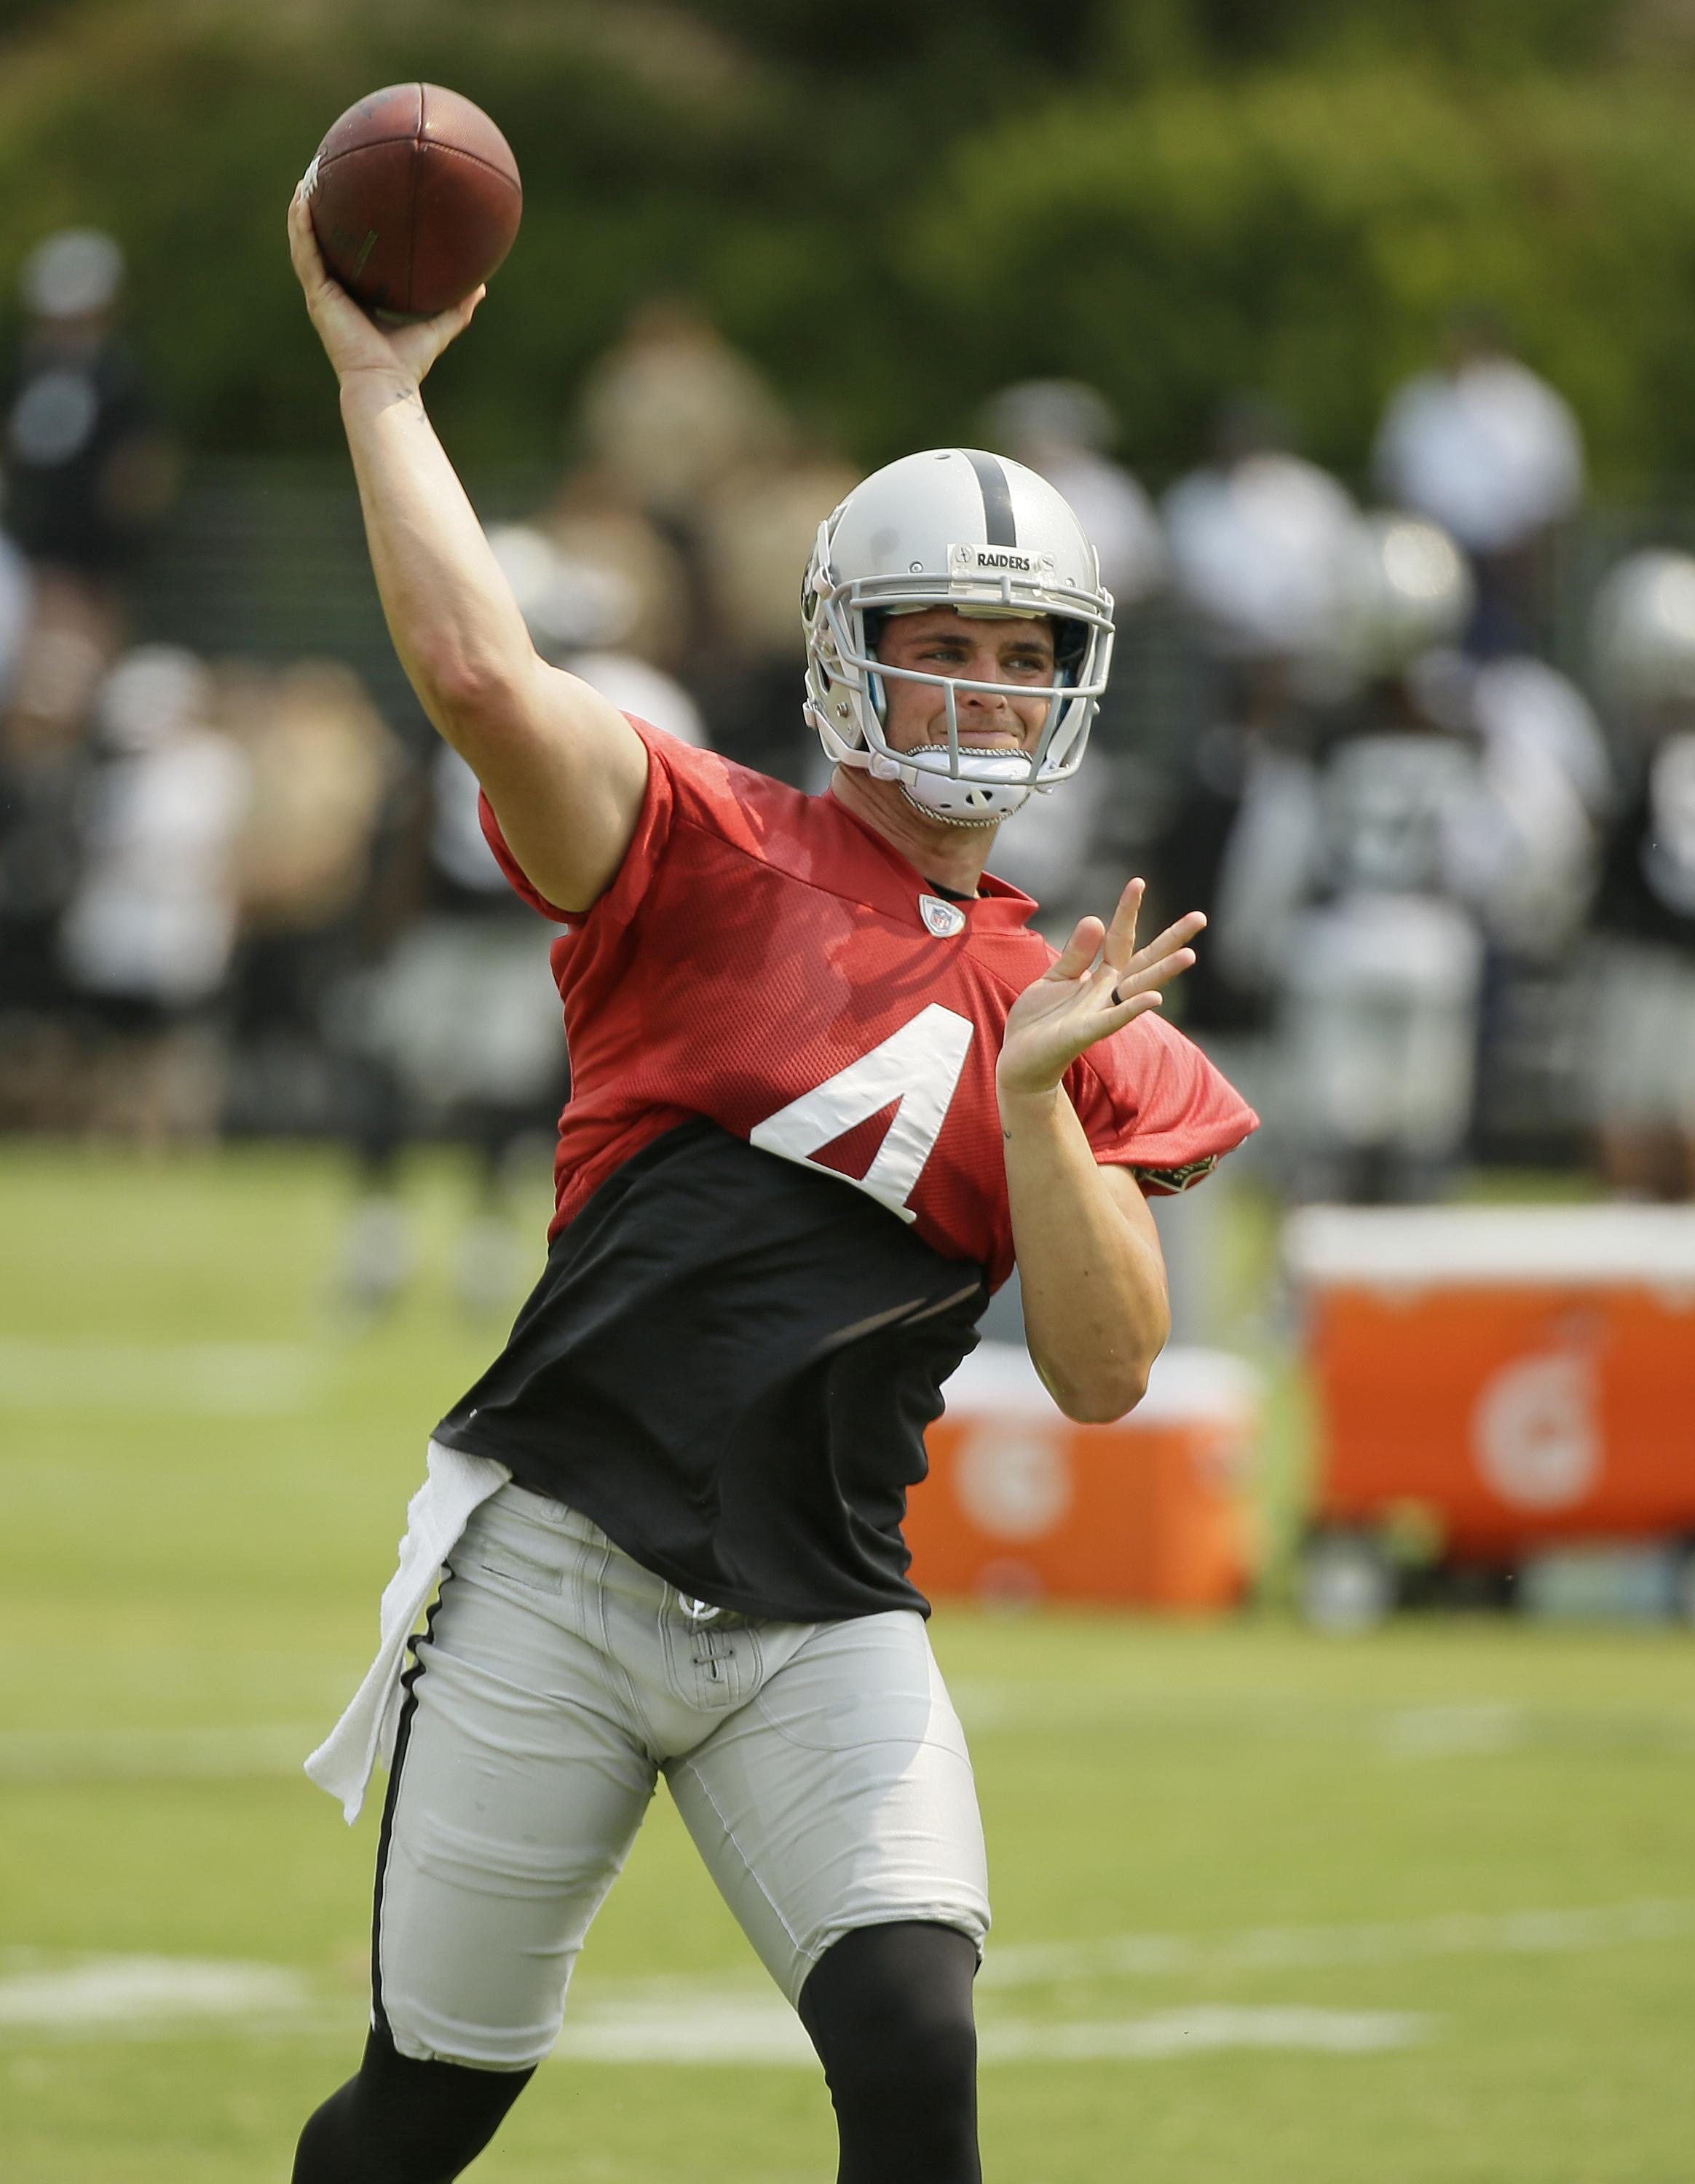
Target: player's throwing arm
x=562, y=768
x=1096, y=1308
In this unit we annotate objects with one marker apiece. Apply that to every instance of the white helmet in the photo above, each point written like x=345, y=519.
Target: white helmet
x=1414, y=591
x=953, y=527
x=1642, y=628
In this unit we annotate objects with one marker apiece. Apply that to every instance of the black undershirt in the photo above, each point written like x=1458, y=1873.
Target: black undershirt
x=728, y=1364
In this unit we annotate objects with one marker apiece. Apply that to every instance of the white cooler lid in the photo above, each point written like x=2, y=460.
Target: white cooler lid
x=998, y=1380
x=1410, y=1246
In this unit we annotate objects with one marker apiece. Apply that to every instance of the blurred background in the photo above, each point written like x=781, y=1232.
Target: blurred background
x=1361, y=339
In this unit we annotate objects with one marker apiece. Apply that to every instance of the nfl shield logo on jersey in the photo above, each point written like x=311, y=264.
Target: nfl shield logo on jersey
x=944, y=919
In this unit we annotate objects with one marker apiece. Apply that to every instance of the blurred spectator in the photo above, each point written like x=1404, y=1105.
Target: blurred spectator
x=756, y=528
x=147, y=936
x=672, y=408
x=323, y=764
x=1643, y=1079
x=1065, y=430
x=646, y=599
x=580, y=617
x=1265, y=550
x=636, y=686
x=1491, y=452
x=86, y=469
x=45, y=759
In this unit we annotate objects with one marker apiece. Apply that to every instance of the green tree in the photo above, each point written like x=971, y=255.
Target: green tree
x=1308, y=235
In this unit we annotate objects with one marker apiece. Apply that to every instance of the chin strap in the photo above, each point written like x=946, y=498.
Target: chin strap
x=962, y=803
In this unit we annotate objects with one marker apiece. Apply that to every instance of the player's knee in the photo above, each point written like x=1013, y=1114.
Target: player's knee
x=404, y=2122
x=923, y=2058
x=890, y=2010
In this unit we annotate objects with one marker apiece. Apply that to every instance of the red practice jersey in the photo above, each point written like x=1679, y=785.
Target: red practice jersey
x=766, y=961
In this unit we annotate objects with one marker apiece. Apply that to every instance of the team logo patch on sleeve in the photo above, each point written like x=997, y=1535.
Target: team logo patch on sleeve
x=945, y=919
x=1168, y=1181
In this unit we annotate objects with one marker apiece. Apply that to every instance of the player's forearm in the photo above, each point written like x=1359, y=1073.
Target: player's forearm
x=455, y=625
x=1096, y=1308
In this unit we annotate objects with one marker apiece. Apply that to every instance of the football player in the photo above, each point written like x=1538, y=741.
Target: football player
x=1642, y=1075
x=826, y=1084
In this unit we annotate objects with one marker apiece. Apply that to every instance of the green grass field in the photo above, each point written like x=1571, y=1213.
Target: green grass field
x=1270, y=1910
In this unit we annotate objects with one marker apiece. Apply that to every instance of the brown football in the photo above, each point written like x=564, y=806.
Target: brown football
x=415, y=198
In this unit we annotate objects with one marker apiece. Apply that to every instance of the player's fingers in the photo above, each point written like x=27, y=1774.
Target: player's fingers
x=1132, y=1006
x=459, y=317
x=1152, y=976
x=444, y=325
x=1120, y=944
x=419, y=345
x=309, y=269
x=1174, y=937
x=303, y=236
x=1079, y=951
x=302, y=243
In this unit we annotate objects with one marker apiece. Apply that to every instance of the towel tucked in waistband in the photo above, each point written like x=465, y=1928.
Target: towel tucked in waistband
x=436, y=1515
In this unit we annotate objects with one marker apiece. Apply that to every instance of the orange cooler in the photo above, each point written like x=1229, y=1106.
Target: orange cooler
x=1518, y=1375
x=1021, y=1503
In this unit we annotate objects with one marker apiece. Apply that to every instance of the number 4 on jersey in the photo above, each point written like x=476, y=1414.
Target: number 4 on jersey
x=919, y=1066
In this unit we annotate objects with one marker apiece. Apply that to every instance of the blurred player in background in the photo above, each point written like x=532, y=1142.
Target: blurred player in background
x=1342, y=889
x=1379, y=1001
x=323, y=764
x=87, y=468
x=1643, y=1076
x=1547, y=783
x=826, y=1087
x=1491, y=452
x=58, y=650
x=148, y=935
x=1264, y=551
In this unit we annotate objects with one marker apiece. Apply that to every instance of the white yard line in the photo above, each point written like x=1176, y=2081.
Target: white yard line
x=723, y=2021
x=1204, y=2031
x=1469, y=1729
x=1451, y=1933
x=161, y=1997
x=206, y=1380
x=139, y=1995
x=723, y=2030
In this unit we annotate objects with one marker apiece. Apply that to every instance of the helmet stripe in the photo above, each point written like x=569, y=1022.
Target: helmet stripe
x=997, y=499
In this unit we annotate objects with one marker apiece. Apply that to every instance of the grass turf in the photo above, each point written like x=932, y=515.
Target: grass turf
x=195, y=1535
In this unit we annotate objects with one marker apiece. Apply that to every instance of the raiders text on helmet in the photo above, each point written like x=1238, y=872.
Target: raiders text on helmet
x=953, y=527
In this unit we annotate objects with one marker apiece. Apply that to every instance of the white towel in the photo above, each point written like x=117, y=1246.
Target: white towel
x=436, y=1516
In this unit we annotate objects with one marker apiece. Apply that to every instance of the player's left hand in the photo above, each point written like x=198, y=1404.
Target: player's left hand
x=1099, y=983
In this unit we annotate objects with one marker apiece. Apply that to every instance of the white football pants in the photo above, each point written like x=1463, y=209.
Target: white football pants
x=820, y=1768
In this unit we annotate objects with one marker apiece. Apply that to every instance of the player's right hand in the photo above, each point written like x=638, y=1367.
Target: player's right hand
x=353, y=342
x=1098, y=983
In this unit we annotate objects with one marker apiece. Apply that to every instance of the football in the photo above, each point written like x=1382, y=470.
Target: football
x=416, y=199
